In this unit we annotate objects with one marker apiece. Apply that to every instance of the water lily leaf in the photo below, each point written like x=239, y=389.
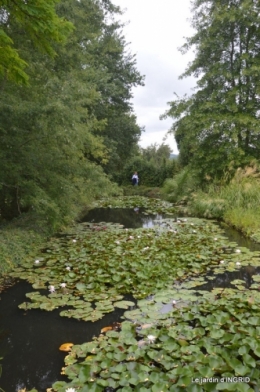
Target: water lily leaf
x=239, y=368
x=123, y=304
x=225, y=386
x=49, y=306
x=254, y=320
x=81, y=287
x=59, y=384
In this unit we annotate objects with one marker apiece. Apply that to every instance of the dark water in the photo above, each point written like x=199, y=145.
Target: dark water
x=130, y=218
x=30, y=340
x=30, y=348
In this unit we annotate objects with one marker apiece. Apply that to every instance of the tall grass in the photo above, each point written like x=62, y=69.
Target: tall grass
x=237, y=203
x=178, y=188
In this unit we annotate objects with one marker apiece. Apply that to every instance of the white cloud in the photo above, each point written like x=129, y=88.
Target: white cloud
x=155, y=31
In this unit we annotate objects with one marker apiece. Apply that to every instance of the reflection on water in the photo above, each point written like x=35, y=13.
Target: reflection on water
x=224, y=280
x=31, y=348
x=131, y=218
x=235, y=236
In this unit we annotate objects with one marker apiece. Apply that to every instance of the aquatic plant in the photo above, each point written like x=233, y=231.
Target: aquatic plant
x=177, y=334
x=209, y=342
x=151, y=205
x=89, y=272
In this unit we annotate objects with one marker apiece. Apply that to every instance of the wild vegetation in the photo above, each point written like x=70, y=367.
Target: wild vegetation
x=217, y=127
x=66, y=121
x=173, y=332
x=235, y=201
x=153, y=165
x=69, y=136
x=72, y=125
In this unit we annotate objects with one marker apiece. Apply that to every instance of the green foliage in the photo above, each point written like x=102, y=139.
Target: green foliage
x=142, y=191
x=37, y=22
x=181, y=186
x=202, y=205
x=153, y=165
x=245, y=220
x=169, y=339
x=101, y=262
x=219, y=123
x=21, y=239
x=151, y=205
x=236, y=202
x=210, y=336
x=56, y=133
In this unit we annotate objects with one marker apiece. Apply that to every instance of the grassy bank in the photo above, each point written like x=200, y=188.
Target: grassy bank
x=237, y=203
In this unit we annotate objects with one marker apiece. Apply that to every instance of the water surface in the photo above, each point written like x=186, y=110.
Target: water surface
x=30, y=340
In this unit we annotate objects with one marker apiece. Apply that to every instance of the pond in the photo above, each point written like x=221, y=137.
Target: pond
x=31, y=339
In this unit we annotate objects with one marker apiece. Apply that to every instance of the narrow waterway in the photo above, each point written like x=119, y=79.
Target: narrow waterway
x=30, y=340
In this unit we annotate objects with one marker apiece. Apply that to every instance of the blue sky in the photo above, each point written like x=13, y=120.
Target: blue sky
x=155, y=30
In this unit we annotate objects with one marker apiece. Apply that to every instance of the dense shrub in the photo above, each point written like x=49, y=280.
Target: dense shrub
x=149, y=173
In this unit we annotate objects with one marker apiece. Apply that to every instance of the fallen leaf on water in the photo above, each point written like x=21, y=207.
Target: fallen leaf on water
x=66, y=346
x=105, y=329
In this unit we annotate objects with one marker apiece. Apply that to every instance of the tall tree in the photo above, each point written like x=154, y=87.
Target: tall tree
x=53, y=130
x=112, y=71
x=38, y=22
x=219, y=124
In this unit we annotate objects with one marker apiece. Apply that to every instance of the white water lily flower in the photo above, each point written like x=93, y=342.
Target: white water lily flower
x=238, y=251
x=237, y=263
x=68, y=268
x=63, y=285
x=117, y=242
x=52, y=289
x=74, y=240
x=194, y=231
x=131, y=237
x=138, y=236
x=71, y=390
x=222, y=261
x=151, y=338
x=37, y=261
x=215, y=239
x=146, y=248
x=174, y=302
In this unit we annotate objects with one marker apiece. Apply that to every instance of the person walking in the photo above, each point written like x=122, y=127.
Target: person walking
x=135, y=179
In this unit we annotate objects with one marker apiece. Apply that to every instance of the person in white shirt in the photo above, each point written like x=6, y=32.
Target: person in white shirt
x=135, y=179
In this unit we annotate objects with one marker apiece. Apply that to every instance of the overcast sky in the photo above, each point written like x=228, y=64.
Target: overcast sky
x=155, y=31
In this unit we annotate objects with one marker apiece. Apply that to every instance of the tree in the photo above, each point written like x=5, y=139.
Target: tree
x=219, y=124
x=36, y=21
x=153, y=164
x=53, y=131
x=111, y=70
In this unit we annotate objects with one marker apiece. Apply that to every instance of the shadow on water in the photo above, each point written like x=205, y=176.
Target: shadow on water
x=30, y=349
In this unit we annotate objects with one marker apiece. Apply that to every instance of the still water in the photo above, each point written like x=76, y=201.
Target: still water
x=30, y=340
